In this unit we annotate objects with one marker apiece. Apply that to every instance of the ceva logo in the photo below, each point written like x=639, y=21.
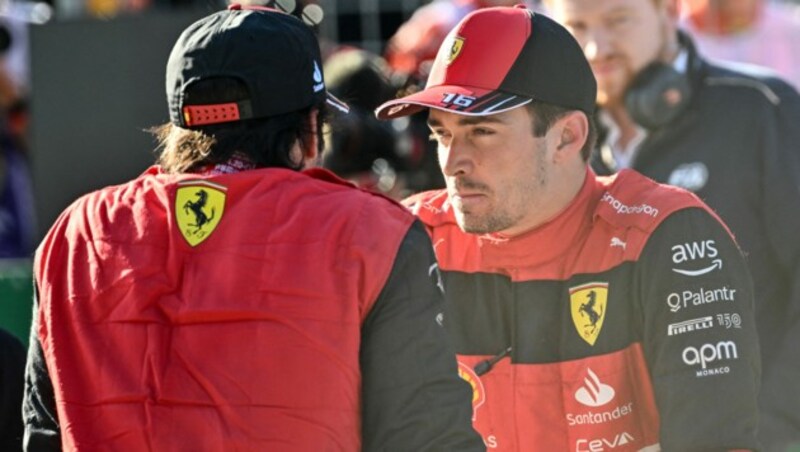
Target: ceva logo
x=594, y=393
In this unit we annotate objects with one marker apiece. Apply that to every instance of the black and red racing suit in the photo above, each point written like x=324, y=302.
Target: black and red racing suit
x=626, y=323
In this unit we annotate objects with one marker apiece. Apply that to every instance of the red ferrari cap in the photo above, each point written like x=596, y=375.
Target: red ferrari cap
x=497, y=59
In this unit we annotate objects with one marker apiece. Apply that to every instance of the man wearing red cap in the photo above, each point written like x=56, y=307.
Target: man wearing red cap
x=588, y=313
x=232, y=299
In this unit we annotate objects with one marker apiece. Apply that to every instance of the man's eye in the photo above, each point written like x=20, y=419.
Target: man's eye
x=482, y=132
x=437, y=136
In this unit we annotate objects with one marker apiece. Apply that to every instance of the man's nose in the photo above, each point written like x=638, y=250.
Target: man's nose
x=456, y=158
x=597, y=45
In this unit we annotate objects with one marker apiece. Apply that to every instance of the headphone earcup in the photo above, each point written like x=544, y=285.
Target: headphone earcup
x=657, y=95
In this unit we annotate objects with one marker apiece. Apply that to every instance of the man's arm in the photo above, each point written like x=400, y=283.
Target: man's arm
x=699, y=335
x=413, y=399
x=39, y=414
x=780, y=201
x=12, y=368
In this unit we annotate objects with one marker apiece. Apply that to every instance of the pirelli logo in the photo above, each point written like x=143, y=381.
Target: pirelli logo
x=690, y=325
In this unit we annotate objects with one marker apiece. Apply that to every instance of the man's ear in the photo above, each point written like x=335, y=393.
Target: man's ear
x=311, y=144
x=572, y=132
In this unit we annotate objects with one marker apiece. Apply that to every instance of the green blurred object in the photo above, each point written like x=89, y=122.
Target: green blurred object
x=16, y=296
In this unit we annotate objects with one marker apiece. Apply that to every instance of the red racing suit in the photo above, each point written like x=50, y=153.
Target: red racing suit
x=625, y=323
x=263, y=310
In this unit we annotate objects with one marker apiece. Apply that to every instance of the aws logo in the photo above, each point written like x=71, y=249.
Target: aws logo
x=588, y=308
x=688, y=252
x=199, y=206
x=478, y=393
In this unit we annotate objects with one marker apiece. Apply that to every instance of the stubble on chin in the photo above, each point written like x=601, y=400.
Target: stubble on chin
x=482, y=224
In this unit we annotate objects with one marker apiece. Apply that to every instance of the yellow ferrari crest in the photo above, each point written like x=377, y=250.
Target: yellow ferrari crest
x=588, y=307
x=199, y=206
x=455, y=49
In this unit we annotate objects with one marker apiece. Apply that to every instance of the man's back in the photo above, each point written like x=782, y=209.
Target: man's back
x=250, y=340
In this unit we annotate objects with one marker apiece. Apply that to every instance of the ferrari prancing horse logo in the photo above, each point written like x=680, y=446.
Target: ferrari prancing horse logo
x=199, y=206
x=455, y=49
x=588, y=307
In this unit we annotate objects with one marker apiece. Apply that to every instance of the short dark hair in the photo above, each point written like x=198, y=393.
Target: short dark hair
x=544, y=115
x=266, y=142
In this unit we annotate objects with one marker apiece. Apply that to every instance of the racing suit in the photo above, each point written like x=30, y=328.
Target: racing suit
x=266, y=309
x=737, y=146
x=625, y=323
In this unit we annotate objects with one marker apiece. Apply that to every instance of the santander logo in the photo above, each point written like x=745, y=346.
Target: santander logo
x=594, y=393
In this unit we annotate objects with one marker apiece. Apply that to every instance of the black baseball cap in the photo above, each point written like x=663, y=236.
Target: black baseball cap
x=497, y=59
x=274, y=55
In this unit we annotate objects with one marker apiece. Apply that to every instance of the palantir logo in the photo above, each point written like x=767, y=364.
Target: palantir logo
x=594, y=393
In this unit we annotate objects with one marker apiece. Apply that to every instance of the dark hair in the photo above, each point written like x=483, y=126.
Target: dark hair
x=266, y=142
x=544, y=115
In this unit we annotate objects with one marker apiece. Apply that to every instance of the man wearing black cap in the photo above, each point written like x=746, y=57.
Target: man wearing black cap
x=229, y=298
x=588, y=313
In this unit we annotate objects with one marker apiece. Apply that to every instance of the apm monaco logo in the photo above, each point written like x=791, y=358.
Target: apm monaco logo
x=687, y=253
x=709, y=354
x=588, y=308
x=199, y=206
x=478, y=393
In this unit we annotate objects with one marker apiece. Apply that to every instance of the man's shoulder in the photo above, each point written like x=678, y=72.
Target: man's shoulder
x=742, y=82
x=631, y=200
x=432, y=207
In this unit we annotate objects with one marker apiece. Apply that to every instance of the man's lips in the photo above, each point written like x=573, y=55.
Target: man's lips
x=604, y=67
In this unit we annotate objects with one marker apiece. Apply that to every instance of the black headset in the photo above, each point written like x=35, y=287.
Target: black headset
x=658, y=94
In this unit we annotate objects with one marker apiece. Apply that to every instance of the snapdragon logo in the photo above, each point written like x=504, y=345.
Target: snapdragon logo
x=624, y=209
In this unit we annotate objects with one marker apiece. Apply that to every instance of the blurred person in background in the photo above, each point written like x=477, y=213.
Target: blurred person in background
x=232, y=297
x=358, y=147
x=762, y=32
x=17, y=223
x=730, y=137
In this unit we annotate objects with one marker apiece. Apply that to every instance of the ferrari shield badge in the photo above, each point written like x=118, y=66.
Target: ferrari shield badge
x=455, y=49
x=588, y=307
x=199, y=206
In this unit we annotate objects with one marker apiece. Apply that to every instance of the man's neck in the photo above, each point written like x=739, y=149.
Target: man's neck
x=627, y=127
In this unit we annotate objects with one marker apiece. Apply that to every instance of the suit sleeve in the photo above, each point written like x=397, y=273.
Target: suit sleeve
x=413, y=398
x=780, y=311
x=42, y=432
x=699, y=335
x=12, y=368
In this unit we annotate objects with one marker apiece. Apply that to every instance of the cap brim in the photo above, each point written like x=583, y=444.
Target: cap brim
x=458, y=99
x=337, y=104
